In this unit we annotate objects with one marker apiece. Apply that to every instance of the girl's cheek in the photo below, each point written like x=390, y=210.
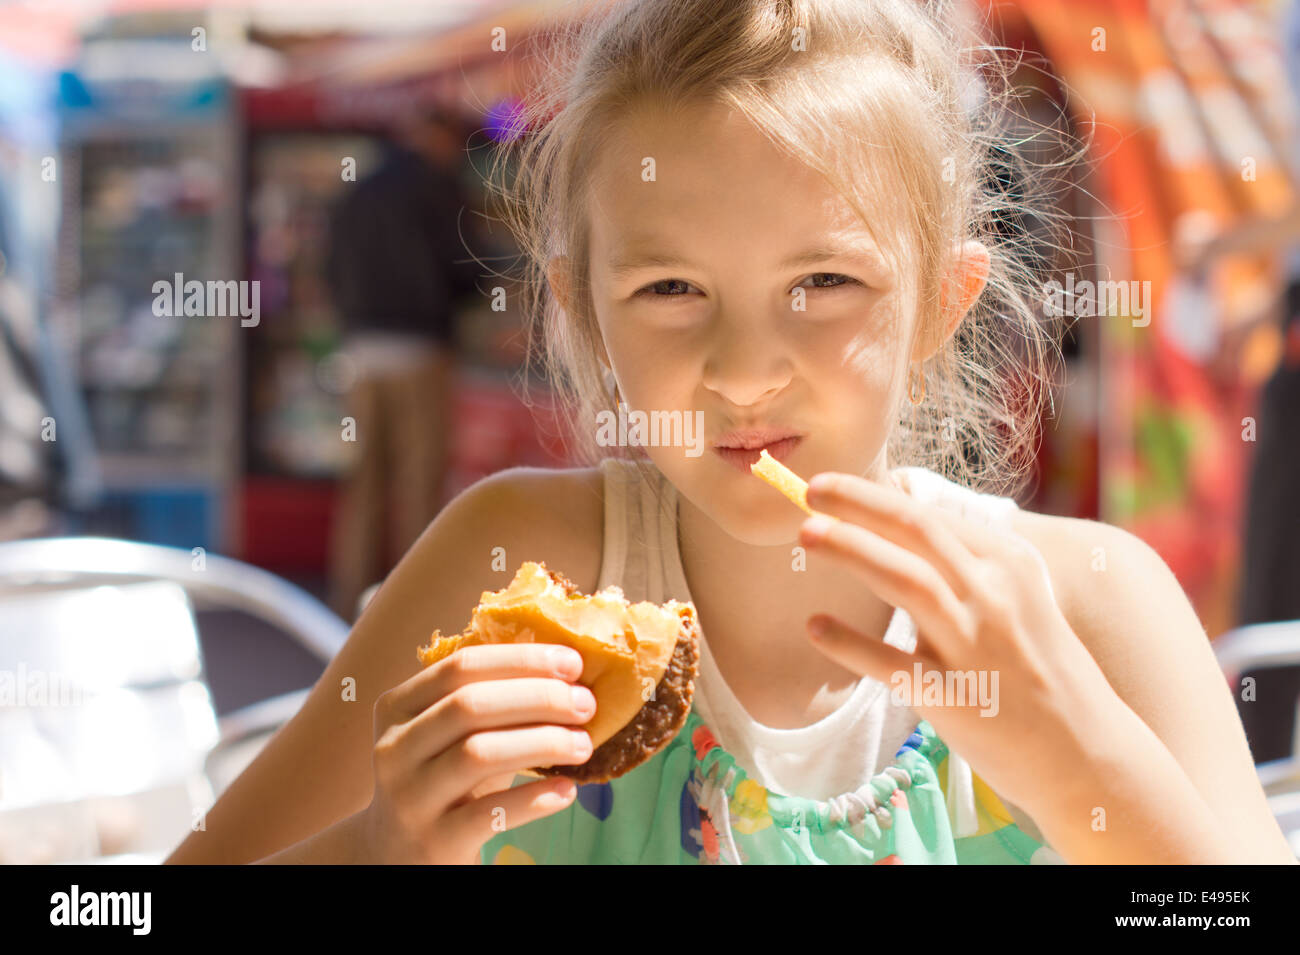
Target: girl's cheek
x=663, y=375
x=849, y=355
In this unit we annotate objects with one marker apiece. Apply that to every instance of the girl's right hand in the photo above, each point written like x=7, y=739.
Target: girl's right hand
x=449, y=741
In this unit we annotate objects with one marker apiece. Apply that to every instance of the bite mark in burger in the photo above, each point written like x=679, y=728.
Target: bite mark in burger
x=640, y=661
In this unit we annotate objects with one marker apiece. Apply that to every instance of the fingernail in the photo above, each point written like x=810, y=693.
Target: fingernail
x=818, y=525
x=581, y=745
x=817, y=626
x=565, y=789
x=565, y=662
x=582, y=700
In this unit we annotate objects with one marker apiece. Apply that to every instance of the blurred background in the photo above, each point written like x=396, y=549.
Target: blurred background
x=188, y=524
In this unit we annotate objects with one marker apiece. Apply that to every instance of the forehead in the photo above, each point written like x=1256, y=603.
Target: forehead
x=716, y=179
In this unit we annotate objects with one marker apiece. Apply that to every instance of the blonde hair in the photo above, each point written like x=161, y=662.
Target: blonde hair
x=882, y=99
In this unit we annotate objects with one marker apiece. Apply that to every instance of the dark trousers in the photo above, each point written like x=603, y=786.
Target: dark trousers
x=1270, y=583
x=394, y=489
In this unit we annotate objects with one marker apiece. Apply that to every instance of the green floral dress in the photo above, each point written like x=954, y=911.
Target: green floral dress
x=692, y=804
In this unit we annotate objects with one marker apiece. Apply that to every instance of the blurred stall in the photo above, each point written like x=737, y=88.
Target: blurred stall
x=343, y=99
x=1186, y=101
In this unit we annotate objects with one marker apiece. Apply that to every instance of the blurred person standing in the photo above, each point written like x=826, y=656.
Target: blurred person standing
x=396, y=265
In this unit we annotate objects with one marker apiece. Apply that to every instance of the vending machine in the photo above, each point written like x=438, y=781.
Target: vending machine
x=148, y=177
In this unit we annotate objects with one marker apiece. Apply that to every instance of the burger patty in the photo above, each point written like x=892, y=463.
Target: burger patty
x=654, y=725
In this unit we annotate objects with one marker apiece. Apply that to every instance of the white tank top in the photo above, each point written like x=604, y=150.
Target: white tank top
x=839, y=753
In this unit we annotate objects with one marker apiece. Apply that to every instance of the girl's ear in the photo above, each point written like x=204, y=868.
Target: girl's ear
x=963, y=283
x=964, y=280
x=557, y=270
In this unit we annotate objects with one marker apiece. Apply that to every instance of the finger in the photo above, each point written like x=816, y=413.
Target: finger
x=493, y=784
x=898, y=576
x=445, y=781
x=943, y=538
x=473, y=824
x=860, y=653
x=493, y=704
x=979, y=538
x=488, y=661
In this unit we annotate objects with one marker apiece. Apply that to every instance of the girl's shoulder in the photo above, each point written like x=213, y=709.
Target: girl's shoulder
x=1097, y=570
x=1058, y=539
x=554, y=516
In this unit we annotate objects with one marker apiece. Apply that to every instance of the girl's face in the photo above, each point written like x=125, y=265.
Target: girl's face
x=736, y=283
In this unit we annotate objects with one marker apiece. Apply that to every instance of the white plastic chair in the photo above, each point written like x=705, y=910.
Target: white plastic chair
x=125, y=763
x=1259, y=647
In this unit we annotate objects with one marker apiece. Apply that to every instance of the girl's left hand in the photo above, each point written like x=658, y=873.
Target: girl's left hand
x=982, y=606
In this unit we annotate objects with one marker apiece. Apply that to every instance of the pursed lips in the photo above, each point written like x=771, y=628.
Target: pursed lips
x=742, y=449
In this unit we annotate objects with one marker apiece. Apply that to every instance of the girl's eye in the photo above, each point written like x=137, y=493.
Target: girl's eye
x=670, y=288
x=819, y=280
x=655, y=290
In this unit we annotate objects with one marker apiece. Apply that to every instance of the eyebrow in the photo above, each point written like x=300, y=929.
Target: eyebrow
x=821, y=253
x=632, y=261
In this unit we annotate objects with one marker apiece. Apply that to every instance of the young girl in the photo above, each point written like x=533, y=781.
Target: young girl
x=775, y=214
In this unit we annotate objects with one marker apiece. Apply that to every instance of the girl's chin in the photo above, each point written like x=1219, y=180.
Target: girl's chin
x=763, y=518
x=778, y=523
x=767, y=535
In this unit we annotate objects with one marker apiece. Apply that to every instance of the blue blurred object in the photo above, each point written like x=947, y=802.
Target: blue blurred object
x=174, y=516
x=73, y=93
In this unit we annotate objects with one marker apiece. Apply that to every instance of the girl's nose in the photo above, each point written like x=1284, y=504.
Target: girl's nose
x=744, y=368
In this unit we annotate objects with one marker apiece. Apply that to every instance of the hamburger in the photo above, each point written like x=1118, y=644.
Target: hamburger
x=640, y=661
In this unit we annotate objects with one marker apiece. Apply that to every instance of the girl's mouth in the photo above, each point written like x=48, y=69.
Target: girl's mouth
x=743, y=458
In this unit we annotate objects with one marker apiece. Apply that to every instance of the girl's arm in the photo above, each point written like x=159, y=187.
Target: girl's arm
x=1132, y=615
x=316, y=771
x=1130, y=803
x=344, y=843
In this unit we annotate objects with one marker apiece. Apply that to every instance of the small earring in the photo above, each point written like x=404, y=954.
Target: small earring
x=911, y=396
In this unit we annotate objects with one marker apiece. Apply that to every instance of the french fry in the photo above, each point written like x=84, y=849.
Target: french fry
x=783, y=479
